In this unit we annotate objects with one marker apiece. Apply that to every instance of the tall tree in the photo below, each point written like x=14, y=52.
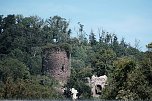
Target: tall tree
x=58, y=29
x=92, y=38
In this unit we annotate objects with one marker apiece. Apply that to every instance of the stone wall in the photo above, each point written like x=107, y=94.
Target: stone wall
x=98, y=84
x=56, y=63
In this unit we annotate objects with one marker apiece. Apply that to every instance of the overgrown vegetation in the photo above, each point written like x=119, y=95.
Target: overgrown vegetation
x=22, y=40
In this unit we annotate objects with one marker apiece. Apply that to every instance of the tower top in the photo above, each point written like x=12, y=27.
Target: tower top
x=64, y=46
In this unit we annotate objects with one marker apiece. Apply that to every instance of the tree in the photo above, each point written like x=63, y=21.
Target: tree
x=13, y=68
x=78, y=81
x=102, y=61
x=128, y=81
x=92, y=39
x=7, y=35
x=58, y=29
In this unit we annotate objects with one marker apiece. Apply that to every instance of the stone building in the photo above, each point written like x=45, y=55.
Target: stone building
x=98, y=84
x=56, y=63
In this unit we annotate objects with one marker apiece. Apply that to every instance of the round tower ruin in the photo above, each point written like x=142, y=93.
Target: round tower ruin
x=56, y=63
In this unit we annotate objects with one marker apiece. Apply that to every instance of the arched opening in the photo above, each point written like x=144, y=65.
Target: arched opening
x=98, y=89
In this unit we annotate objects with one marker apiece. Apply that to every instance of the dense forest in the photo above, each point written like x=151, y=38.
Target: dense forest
x=22, y=39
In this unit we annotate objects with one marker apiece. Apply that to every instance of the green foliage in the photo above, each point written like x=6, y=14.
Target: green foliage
x=79, y=82
x=23, y=39
x=92, y=38
x=13, y=68
x=128, y=81
x=27, y=89
x=75, y=63
x=64, y=46
x=102, y=61
x=149, y=45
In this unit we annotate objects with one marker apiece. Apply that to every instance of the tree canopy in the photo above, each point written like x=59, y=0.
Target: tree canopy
x=22, y=40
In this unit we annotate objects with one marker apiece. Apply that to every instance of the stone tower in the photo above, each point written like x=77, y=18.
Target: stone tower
x=56, y=63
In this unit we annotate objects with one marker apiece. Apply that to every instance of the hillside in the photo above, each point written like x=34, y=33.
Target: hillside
x=22, y=40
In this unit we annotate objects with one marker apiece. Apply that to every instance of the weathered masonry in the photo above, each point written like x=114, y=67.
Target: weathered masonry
x=98, y=84
x=56, y=63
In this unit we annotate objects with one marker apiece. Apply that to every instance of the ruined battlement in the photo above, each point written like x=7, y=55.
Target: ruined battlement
x=97, y=84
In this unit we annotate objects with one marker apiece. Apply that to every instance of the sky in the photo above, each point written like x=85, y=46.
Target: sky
x=128, y=19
